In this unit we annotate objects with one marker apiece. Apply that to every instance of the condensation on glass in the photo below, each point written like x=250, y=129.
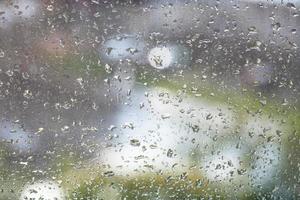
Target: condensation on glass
x=149, y=99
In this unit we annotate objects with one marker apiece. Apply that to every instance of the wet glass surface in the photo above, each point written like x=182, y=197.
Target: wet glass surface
x=149, y=99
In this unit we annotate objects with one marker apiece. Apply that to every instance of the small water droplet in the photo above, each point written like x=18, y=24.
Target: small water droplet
x=108, y=68
x=170, y=153
x=165, y=116
x=65, y=129
x=135, y=142
x=112, y=127
x=2, y=54
x=209, y=116
x=128, y=125
x=50, y=8
x=25, y=75
x=27, y=94
x=108, y=173
x=9, y=72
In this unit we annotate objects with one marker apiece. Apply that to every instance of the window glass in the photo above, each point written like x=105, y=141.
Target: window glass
x=149, y=99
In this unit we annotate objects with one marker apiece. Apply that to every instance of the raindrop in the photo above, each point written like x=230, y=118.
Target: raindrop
x=160, y=57
x=2, y=54
x=65, y=129
x=170, y=153
x=108, y=68
x=50, y=8
x=27, y=94
x=108, y=173
x=135, y=142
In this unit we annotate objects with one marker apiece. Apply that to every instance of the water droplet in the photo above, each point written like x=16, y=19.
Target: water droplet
x=25, y=75
x=2, y=54
x=108, y=68
x=209, y=116
x=165, y=116
x=65, y=129
x=128, y=125
x=199, y=183
x=112, y=127
x=160, y=57
x=135, y=142
x=195, y=128
x=9, y=72
x=263, y=102
x=50, y=8
x=241, y=171
x=108, y=173
x=170, y=153
x=27, y=94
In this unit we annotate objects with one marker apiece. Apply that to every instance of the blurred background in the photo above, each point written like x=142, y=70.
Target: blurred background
x=149, y=99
